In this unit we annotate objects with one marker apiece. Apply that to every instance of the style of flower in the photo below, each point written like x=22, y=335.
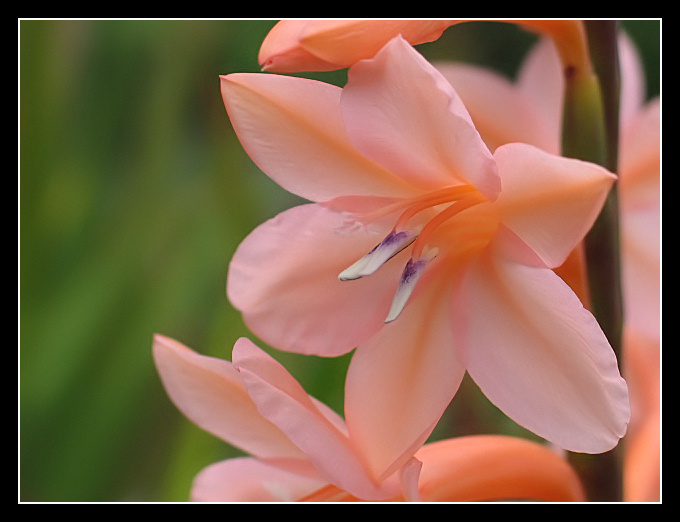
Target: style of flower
x=424, y=251
x=300, y=449
x=530, y=110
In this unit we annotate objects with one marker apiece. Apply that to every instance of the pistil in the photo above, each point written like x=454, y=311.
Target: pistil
x=393, y=243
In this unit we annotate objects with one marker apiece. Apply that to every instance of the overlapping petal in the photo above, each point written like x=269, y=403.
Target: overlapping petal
x=401, y=380
x=338, y=472
x=545, y=362
x=639, y=198
x=501, y=113
x=466, y=469
x=292, y=129
x=210, y=393
x=255, y=404
x=528, y=110
x=314, y=428
x=428, y=140
x=549, y=201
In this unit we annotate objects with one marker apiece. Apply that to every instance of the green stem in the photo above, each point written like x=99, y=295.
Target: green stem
x=591, y=133
x=602, y=243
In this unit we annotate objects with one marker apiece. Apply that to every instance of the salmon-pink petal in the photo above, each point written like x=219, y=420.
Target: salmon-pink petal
x=541, y=80
x=549, y=201
x=281, y=399
x=281, y=50
x=402, y=113
x=641, y=269
x=642, y=369
x=400, y=381
x=495, y=467
x=642, y=456
x=249, y=356
x=501, y=112
x=640, y=203
x=211, y=393
x=345, y=42
x=538, y=354
x=284, y=278
x=246, y=479
x=642, y=462
x=321, y=45
x=292, y=129
x=640, y=152
x=632, y=79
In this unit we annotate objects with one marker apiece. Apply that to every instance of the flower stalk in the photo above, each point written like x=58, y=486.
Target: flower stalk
x=602, y=243
x=590, y=133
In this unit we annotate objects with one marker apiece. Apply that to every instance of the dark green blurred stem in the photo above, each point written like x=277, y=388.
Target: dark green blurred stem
x=602, y=243
x=591, y=133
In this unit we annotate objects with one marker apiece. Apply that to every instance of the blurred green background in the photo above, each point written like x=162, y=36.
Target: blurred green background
x=133, y=195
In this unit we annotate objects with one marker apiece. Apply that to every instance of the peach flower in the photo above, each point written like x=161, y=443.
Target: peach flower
x=424, y=251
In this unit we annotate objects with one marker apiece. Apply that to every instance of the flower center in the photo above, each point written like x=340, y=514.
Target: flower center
x=459, y=198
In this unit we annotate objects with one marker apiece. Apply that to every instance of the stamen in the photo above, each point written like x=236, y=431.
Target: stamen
x=400, y=237
x=409, y=277
x=420, y=258
x=394, y=243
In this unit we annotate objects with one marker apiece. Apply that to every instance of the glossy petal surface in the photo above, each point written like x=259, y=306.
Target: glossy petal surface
x=428, y=140
x=545, y=362
x=292, y=129
x=400, y=382
x=549, y=201
x=211, y=393
x=495, y=467
x=315, y=429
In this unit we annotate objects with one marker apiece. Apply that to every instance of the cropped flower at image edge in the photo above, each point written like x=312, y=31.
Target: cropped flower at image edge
x=299, y=449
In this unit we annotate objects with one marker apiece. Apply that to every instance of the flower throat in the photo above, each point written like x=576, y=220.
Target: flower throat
x=459, y=198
